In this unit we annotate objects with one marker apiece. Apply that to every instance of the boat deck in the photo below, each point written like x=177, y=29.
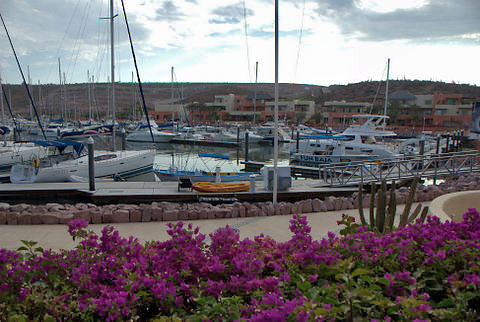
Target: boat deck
x=137, y=192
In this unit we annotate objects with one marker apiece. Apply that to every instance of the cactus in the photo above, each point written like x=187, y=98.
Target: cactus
x=360, y=205
x=372, y=206
x=381, y=207
x=392, y=208
x=408, y=203
x=382, y=221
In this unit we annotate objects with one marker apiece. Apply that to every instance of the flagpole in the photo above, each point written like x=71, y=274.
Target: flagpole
x=275, y=139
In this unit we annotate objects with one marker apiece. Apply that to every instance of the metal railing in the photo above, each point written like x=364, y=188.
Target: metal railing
x=431, y=166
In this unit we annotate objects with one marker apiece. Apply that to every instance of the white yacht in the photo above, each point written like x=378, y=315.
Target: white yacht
x=142, y=134
x=107, y=164
x=360, y=141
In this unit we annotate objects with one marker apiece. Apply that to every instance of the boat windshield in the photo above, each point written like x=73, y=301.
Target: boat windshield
x=368, y=139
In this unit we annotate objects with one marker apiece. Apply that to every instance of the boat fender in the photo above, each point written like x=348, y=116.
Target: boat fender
x=35, y=162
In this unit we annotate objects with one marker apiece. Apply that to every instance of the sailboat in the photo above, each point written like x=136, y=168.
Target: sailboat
x=115, y=165
x=57, y=169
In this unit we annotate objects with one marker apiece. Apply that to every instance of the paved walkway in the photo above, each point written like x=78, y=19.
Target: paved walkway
x=57, y=237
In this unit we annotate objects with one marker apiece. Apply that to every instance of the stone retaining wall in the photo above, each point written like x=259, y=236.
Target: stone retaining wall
x=54, y=213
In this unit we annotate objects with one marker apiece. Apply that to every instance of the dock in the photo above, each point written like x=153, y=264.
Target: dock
x=225, y=144
x=144, y=192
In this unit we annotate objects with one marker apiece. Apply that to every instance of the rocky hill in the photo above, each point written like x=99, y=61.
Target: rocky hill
x=49, y=98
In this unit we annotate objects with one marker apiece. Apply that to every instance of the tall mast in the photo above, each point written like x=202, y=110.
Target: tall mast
x=255, y=92
x=386, y=94
x=275, y=139
x=89, y=97
x=39, y=95
x=60, y=99
x=134, y=103
x=65, y=96
x=28, y=84
x=171, y=94
x=112, y=71
x=1, y=98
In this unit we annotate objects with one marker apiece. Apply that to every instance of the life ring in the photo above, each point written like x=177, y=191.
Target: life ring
x=35, y=162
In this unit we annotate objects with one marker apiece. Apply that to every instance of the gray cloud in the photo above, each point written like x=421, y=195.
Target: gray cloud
x=169, y=12
x=231, y=14
x=438, y=19
x=50, y=24
x=225, y=34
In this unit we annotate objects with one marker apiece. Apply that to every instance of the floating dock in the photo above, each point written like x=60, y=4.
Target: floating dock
x=144, y=192
x=226, y=144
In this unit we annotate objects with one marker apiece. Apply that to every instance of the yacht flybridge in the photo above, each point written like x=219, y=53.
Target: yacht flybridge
x=360, y=141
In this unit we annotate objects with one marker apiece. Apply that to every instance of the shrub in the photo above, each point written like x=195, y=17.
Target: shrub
x=423, y=271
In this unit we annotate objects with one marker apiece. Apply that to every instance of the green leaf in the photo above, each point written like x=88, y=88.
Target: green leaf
x=364, y=292
x=361, y=271
x=18, y=318
x=29, y=243
x=22, y=248
x=48, y=318
x=448, y=302
x=383, y=281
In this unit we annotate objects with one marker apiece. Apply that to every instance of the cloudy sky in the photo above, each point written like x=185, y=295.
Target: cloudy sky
x=322, y=42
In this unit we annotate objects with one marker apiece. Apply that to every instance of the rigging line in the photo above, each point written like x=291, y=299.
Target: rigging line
x=80, y=35
x=10, y=109
x=136, y=69
x=23, y=77
x=299, y=42
x=63, y=38
x=378, y=89
x=245, y=26
x=100, y=38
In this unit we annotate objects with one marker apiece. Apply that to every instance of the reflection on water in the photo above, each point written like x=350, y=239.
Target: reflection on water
x=185, y=157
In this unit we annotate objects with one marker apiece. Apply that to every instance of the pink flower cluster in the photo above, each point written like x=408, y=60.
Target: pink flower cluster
x=420, y=272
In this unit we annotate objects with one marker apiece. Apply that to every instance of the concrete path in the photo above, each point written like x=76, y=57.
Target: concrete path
x=57, y=237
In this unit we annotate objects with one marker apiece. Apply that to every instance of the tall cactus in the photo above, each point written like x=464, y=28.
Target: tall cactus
x=372, y=206
x=381, y=207
x=392, y=208
x=408, y=203
x=360, y=205
x=382, y=221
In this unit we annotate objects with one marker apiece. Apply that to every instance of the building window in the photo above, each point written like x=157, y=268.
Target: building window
x=428, y=102
x=239, y=101
x=439, y=112
x=452, y=102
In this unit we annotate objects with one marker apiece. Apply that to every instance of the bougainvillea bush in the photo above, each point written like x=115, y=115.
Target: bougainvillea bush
x=424, y=271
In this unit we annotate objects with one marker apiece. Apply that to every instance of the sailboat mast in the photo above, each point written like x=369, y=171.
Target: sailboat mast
x=386, y=94
x=171, y=94
x=89, y=97
x=28, y=84
x=60, y=101
x=255, y=92
x=275, y=139
x=112, y=71
x=1, y=98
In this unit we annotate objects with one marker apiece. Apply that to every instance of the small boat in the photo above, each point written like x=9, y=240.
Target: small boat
x=174, y=174
x=221, y=187
x=207, y=176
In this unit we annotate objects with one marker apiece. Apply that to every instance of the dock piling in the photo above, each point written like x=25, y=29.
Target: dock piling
x=246, y=146
x=124, y=140
x=91, y=169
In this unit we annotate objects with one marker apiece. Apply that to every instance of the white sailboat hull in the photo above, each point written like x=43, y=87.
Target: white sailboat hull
x=107, y=164
x=15, y=153
x=145, y=136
